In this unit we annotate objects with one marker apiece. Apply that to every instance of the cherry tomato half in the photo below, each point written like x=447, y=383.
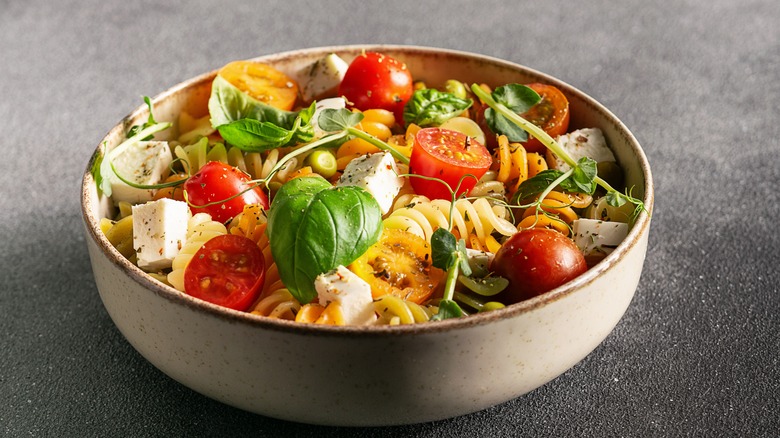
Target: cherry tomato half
x=374, y=80
x=217, y=183
x=262, y=82
x=227, y=270
x=551, y=114
x=446, y=155
x=535, y=261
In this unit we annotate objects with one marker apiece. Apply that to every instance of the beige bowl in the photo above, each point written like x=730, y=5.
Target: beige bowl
x=372, y=375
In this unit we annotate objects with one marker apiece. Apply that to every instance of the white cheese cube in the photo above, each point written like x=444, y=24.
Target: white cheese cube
x=336, y=103
x=378, y=174
x=595, y=237
x=353, y=294
x=143, y=162
x=588, y=142
x=159, y=232
x=324, y=77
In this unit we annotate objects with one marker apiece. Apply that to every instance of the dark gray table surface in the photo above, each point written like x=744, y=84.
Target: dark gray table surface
x=696, y=81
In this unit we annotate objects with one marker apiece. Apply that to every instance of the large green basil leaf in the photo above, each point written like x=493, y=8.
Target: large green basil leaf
x=315, y=227
x=519, y=99
x=431, y=107
x=229, y=104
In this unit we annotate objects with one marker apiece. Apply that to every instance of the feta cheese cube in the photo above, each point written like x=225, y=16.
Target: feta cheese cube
x=332, y=103
x=143, y=162
x=588, y=142
x=594, y=237
x=378, y=174
x=324, y=77
x=159, y=232
x=348, y=290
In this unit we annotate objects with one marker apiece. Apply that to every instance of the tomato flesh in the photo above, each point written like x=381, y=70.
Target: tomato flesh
x=535, y=261
x=227, y=270
x=374, y=80
x=447, y=155
x=551, y=114
x=262, y=82
x=216, y=183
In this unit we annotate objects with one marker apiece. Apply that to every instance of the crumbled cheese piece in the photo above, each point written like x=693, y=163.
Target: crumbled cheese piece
x=159, y=232
x=351, y=292
x=332, y=103
x=595, y=237
x=144, y=163
x=324, y=77
x=588, y=142
x=378, y=174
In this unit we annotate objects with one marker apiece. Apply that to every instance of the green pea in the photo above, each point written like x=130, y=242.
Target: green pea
x=491, y=305
x=322, y=162
x=455, y=87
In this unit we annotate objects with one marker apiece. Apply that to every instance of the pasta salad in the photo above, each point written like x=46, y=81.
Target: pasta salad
x=365, y=196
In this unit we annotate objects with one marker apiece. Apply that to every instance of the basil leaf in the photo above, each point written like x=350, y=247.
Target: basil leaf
x=254, y=136
x=431, y=107
x=519, y=99
x=229, y=104
x=447, y=309
x=314, y=227
x=443, y=249
x=331, y=120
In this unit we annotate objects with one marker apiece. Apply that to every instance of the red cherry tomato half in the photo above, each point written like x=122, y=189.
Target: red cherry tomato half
x=551, y=114
x=374, y=80
x=535, y=261
x=227, y=270
x=217, y=183
x=446, y=155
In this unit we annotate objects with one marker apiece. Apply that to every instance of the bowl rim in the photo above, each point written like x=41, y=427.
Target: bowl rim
x=640, y=228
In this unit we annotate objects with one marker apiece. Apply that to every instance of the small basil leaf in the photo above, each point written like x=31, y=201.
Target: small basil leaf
x=254, y=136
x=229, y=104
x=443, y=249
x=431, y=107
x=516, y=97
x=331, y=120
x=447, y=309
x=519, y=99
x=314, y=227
x=502, y=126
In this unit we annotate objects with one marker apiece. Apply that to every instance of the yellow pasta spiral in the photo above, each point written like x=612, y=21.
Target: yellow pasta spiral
x=279, y=304
x=392, y=310
x=474, y=221
x=200, y=229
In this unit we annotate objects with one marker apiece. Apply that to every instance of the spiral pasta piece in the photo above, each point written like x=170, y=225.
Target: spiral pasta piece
x=279, y=304
x=555, y=211
x=200, y=229
x=392, y=310
x=422, y=216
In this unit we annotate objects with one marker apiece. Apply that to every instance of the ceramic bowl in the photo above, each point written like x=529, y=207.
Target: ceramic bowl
x=368, y=376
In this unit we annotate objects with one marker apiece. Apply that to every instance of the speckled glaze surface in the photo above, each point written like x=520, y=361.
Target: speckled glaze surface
x=365, y=376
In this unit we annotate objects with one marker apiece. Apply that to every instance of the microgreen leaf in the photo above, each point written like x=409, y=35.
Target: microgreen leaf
x=431, y=107
x=332, y=120
x=463, y=258
x=536, y=185
x=447, y=309
x=584, y=175
x=444, y=248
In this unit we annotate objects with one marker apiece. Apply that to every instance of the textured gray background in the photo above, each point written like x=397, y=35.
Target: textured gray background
x=696, y=81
